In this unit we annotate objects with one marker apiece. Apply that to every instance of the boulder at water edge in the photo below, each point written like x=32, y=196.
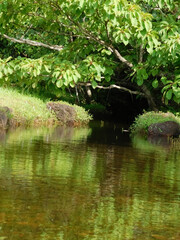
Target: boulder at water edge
x=64, y=113
x=5, y=114
x=168, y=128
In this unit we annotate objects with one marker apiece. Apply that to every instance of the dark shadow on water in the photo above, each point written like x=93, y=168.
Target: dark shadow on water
x=109, y=133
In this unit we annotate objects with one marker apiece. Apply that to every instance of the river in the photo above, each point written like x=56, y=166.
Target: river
x=88, y=183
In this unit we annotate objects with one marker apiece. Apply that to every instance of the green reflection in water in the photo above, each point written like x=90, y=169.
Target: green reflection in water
x=60, y=184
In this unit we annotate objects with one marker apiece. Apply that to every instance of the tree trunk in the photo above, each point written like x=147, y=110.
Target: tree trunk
x=149, y=98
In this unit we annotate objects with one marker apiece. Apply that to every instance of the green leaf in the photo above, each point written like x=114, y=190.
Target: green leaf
x=140, y=82
x=134, y=22
x=125, y=40
x=56, y=74
x=98, y=67
x=108, y=78
x=81, y=3
x=155, y=83
x=108, y=71
x=164, y=80
x=47, y=68
x=144, y=73
x=154, y=72
x=5, y=70
x=169, y=94
x=176, y=91
x=34, y=85
x=147, y=25
x=166, y=87
x=53, y=80
x=94, y=84
x=104, y=51
x=72, y=84
x=75, y=78
x=177, y=100
x=150, y=46
x=59, y=83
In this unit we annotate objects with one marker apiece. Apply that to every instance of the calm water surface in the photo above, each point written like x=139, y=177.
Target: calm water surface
x=90, y=183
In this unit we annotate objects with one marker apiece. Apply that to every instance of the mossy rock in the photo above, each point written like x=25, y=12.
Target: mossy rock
x=148, y=124
x=168, y=128
x=65, y=114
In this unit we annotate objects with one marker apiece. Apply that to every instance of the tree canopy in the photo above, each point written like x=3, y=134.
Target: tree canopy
x=130, y=45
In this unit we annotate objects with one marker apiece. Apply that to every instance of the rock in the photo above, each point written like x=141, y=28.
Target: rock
x=64, y=113
x=168, y=128
x=5, y=115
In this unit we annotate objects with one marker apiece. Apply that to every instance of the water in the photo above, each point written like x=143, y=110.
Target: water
x=90, y=183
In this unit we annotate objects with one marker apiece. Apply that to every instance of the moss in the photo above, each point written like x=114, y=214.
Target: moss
x=142, y=122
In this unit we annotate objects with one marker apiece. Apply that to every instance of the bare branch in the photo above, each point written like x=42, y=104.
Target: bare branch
x=113, y=86
x=33, y=43
x=118, y=55
x=107, y=32
x=141, y=52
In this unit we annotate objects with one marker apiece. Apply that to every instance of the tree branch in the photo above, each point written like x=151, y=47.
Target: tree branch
x=120, y=57
x=149, y=98
x=33, y=43
x=90, y=35
x=141, y=52
x=113, y=86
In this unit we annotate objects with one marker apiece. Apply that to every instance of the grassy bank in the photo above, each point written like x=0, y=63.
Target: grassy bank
x=142, y=122
x=29, y=110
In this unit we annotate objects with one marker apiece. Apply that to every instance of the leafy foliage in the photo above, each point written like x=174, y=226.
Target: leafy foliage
x=94, y=39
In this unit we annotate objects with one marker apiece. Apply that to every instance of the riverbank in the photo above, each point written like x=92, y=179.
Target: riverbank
x=143, y=122
x=19, y=109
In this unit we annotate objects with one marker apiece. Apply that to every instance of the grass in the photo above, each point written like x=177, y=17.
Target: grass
x=29, y=110
x=82, y=114
x=143, y=121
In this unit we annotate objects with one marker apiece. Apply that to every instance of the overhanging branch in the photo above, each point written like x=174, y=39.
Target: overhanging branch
x=33, y=43
x=89, y=35
x=113, y=86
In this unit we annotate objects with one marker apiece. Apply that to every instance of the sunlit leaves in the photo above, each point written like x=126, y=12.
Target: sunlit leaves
x=141, y=74
x=145, y=33
x=6, y=67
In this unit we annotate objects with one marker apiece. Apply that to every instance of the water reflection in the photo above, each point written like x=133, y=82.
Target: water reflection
x=3, y=136
x=87, y=183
